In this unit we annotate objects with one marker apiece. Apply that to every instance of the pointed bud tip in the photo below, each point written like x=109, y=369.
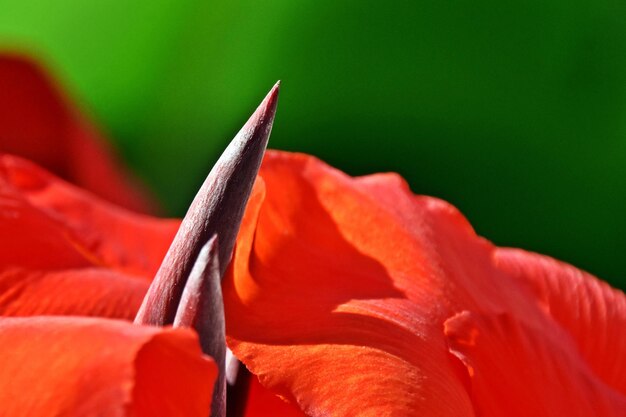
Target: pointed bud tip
x=200, y=291
x=217, y=209
x=261, y=121
x=209, y=249
x=268, y=105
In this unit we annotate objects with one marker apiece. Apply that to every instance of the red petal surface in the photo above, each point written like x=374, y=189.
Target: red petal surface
x=66, y=252
x=40, y=124
x=94, y=367
x=81, y=292
x=50, y=223
x=262, y=403
x=340, y=288
x=591, y=311
x=319, y=304
x=518, y=371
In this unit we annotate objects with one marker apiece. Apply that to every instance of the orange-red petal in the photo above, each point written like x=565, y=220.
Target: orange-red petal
x=592, y=312
x=68, y=366
x=48, y=223
x=340, y=288
x=262, y=403
x=39, y=123
x=99, y=292
x=319, y=302
x=516, y=370
x=67, y=252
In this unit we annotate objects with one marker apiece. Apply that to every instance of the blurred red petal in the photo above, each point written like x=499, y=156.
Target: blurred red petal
x=70, y=366
x=39, y=123
x=518, y=371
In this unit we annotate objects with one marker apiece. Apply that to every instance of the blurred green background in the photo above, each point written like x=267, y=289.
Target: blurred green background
x=513, y=111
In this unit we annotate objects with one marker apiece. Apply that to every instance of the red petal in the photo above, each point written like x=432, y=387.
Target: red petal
x=49, y=223
x=340, y=288
x=66, y=252
x=262, y=403
x=80, y=292
x=37, y=122
x=81, y=367
x=330, y=295
x=589, y=309
x=516, y=370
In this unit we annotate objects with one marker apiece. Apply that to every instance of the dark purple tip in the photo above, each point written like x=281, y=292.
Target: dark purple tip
x=217, y=209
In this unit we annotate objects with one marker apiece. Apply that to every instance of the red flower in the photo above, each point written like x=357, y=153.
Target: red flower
x=345, y=296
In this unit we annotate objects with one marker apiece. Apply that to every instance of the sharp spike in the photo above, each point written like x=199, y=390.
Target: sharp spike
x=202, y=309
x=217, y=209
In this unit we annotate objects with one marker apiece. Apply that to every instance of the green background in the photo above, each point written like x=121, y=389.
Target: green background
x=513, y=111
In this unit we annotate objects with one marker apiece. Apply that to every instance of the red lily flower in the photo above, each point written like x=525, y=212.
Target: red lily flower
x=345, y=296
